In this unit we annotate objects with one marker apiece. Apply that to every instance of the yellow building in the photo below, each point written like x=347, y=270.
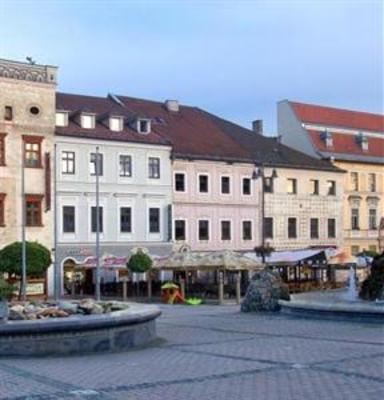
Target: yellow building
x=354, y=142
x=27, y=123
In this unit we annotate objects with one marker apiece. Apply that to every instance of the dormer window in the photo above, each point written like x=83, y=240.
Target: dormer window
x=87, y=121
x=143, y=125
x=362, y=140
x=116, y=124
x=61, y=118
x=326, y=136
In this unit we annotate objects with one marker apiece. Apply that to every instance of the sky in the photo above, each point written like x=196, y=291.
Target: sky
x=236, y=59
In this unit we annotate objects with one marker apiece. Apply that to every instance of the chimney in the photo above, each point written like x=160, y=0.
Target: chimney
x=172, y=105
x=257, y=126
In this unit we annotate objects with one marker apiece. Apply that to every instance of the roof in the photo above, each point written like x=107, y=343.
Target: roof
x=268, y=150
x=193, y=133
x=338, y=117
x=101, y=106
x=345, y=144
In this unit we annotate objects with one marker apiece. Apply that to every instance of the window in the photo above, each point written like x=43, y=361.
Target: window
x=291, y=186
x=331, y=188
x=355, y=219
x=331, y=228
x=34, y=110
x=2, y=148
x=268, y=185
x=144, y=126
x=314, y=228
x=292, y=230
x=68, y=219
x=372, y=182
x=87, y=121
x=116, y=124
x=154, y=220
x=180, y=229
x=372, y=223
x=225, y=185
x=33, y=210
x=94, y=219
x=268, y=228
x=154, y=168
x=2, y=209
x=8, y=113
x=355, y=181
x=372, y=248
x=180, y=182
x=96, y=166
x=225, y=230
x=68, y=162
x=203, y=229
x=61, y=119
x=247, y=230
x=125, y=219
x=246, y=186
x=203, y=184
x=125, y=166
x=32, y=151
x=314, y=186
x=355, y=250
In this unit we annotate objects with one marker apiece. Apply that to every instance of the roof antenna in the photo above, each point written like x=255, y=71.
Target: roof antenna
x=30, y=60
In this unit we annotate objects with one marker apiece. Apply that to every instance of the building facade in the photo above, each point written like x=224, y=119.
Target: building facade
x=354, y=142
x=134, y=180
x=27, y=115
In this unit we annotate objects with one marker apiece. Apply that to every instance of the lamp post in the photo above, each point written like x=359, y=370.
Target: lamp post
x=259, y=172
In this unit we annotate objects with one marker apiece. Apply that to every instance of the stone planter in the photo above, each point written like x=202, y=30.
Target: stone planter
x=3, y=310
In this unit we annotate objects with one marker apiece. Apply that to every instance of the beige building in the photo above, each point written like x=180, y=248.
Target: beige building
x=354, y=142
x=27, y=122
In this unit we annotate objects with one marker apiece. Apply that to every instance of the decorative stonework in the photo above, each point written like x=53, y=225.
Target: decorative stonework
x=28, y=72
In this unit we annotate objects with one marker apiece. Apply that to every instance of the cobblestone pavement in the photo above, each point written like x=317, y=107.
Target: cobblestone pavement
x=217, y=353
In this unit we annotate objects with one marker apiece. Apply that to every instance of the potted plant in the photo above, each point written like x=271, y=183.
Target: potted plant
x=6, y=292
x=139, y=262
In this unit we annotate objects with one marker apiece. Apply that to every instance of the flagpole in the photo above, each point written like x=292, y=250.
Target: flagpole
x=55, y=265
x=23, y=290
x=97, y=170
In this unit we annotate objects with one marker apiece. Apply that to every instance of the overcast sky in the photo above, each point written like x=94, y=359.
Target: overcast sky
x=233, y=58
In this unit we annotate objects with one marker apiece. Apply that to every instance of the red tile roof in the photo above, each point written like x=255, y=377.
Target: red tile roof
x=347, y=144
x=329, y=116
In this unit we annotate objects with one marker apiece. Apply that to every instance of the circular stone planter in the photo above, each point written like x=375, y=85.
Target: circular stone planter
x=115, y=331
x=330, y=304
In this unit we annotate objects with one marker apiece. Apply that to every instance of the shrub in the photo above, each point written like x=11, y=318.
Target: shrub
x=38, y=259
x=139, y=262
x=6, y=290
x=373, y=287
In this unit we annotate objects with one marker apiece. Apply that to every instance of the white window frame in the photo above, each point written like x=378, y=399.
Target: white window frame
x=230, y=220
x=230, y=184
x=102, y=205
x=64, y=114
x=185, y=182
x=93, y=177
x=174, y=230
x=160, y=168
x=209, y=230
x=252, y=231
x=125, y=178
x=198, y=183
x=118, y=120
x=83, y=118
x=241, y=186
x=148, y=122
x=154, y=235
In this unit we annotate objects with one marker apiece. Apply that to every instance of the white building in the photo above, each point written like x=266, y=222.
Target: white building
x=134, y=175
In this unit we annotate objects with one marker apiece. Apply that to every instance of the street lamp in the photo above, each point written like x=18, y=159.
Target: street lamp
x=260, y=173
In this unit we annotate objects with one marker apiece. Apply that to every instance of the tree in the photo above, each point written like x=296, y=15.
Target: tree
x=38, y=259
x=139, y=262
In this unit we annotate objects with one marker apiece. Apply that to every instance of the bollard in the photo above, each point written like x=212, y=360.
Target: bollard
x=125, y=290
x=221, y=288
x=238, y=287
x=149, y=286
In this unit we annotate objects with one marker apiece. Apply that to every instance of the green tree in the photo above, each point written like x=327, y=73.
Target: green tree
x=139, y=262
x=38, y=259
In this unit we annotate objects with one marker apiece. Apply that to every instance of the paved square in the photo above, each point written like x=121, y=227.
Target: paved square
x=212, y=352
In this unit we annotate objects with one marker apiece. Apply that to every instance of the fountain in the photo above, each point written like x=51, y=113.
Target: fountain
x=352, y=293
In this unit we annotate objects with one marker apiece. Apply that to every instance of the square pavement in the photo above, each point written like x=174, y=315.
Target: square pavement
x=216, y=352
